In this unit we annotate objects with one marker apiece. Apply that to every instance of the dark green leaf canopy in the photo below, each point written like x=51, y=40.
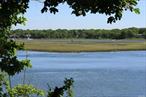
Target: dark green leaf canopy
x=11, y=13
x=113, y=8
x=11, y=10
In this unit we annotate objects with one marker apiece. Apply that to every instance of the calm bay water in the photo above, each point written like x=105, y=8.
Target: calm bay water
x=96, y=74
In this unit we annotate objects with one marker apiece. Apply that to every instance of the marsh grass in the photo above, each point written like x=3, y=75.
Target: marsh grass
x=82, y=45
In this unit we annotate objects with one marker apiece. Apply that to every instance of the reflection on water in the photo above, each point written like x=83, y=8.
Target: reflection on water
x=98, y=74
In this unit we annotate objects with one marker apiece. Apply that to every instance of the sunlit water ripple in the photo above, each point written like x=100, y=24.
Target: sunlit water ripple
x=96, y=74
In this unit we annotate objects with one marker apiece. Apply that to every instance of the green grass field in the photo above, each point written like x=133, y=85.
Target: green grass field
x=83, y=45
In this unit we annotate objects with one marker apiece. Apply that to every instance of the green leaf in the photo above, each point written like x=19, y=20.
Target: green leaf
x=136, y=10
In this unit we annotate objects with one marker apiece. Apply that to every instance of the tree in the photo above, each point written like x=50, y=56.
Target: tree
x=11, y=10
x=112, y=8
x=11, y=13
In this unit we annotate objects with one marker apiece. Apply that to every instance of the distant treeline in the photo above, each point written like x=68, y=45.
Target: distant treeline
x=85, y=34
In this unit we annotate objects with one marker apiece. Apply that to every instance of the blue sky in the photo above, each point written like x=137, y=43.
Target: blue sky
x=64, y=19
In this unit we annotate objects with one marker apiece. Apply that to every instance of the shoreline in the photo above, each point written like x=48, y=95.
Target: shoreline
x=83, y=51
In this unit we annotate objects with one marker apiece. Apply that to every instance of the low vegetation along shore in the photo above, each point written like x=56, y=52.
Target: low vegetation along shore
x=82, y=45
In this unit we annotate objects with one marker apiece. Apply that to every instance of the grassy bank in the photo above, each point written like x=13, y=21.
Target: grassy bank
x=72, y=45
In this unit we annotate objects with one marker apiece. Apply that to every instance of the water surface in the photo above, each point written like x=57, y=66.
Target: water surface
x=96, y=74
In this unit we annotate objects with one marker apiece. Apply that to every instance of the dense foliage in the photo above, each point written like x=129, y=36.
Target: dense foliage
x=86, y=34
x=60, y=91
x=112, y=8
x=27, y=90
x=11, y=13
